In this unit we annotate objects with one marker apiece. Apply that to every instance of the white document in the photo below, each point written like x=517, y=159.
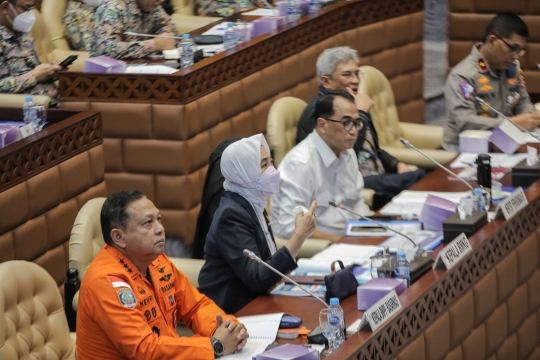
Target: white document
x=498, y=160
x=262, y=12
x=411, y=202
x=218, y=29
x=262, y=331
x=150, y=69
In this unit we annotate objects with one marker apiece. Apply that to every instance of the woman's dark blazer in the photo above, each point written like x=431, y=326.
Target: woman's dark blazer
x=228, y=277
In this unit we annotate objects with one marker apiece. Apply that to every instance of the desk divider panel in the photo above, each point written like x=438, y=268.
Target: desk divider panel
x=159, y=130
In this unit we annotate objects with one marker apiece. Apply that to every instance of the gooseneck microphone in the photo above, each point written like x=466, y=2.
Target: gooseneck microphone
x=252, y=256
x=331, y=203
x=411, y=146
x=482, y=102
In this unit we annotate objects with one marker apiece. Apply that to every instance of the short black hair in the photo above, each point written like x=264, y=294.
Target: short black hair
x=324, y=107
x=113, y=213
x=505, y=25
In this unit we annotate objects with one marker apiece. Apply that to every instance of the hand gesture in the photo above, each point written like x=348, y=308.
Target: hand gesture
x=45, y=72
x=362, y=101
x=233, y=336
x=164, y=43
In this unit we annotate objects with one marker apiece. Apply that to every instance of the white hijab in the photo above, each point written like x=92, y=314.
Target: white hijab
x=241, y=165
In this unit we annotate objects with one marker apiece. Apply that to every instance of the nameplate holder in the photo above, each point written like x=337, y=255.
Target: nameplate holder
x=381, y=311
x=511, y=204
x=452, y=253
x=26, y=130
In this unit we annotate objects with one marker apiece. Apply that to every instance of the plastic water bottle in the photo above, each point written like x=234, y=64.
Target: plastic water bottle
x=29, y=113
x=292, y=11
x=314, y=6
x=187, y=51
x=229, y=39
x=338, y=311
x=402, y=268
x=479, y=201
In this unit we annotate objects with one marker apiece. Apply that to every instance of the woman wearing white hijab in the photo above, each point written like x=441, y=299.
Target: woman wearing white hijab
x=228, y=277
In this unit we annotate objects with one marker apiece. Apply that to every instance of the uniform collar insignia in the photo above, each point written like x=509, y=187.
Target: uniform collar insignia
x=482, y=65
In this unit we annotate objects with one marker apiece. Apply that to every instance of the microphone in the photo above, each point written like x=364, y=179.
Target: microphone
x=331, y=203
x=482, y=102
x=130, y=33
x=252, y=256
x=411, y=146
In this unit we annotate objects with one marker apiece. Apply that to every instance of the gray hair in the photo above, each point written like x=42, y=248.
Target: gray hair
x=329, y=60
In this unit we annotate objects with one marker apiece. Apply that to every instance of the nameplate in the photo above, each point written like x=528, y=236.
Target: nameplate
x=26, y=130
x=452, y=253
x=381, y=311
x=513, y=203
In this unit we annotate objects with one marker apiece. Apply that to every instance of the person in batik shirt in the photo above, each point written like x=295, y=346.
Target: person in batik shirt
x=115, y=17
x=21, y=72
x=224, y=7
x=77, y=23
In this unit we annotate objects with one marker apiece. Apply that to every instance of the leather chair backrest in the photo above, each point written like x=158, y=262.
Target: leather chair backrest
x=86, y=238
x=185, y=7
x=42, y=41
x=32, y=320
x=53, y=11
x=17, y=100
x=384, y=112
x=281, y=127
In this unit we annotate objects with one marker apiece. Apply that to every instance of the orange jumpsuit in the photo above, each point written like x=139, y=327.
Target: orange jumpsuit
x=121, y=315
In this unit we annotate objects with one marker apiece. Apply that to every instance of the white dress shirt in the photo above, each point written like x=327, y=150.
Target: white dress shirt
x=312, y=171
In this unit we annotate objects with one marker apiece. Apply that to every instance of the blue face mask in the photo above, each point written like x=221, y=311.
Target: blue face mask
x=267, y=183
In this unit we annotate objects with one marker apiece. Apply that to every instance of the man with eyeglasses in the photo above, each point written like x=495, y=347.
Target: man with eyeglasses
x=324, y=168
x=21, y=72
x=337, y=69
x=492, y=73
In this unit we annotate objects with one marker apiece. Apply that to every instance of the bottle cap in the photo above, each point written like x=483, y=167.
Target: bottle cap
x=477, y=191
x=401, y=255
x=29, y=98
x=334, y=301
x=185, y=36
x=230, y=24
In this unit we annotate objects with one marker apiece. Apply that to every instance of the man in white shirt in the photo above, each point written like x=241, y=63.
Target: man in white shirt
x=323, y=167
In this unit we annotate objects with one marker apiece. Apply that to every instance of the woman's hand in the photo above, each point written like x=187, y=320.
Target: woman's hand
x=305, y=225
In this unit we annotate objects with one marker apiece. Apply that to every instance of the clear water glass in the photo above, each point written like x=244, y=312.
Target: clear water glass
x=329, y=323
x=40, y=117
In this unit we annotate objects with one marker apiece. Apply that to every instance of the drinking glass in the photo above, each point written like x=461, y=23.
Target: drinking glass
x=40, y=117
x=329, y=323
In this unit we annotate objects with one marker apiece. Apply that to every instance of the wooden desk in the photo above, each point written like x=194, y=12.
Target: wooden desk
x=429, y=299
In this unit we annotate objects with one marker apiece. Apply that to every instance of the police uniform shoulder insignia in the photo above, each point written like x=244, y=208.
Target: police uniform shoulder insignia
x=482, y=65
x=511, y=81
x=483, y=80
x=127, y=298
x=466, y=89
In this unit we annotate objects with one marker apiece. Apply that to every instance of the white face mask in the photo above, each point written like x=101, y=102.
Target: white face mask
x=22, y=22
x=93, y=3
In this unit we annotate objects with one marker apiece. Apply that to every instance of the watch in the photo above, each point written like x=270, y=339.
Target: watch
x=217, y=346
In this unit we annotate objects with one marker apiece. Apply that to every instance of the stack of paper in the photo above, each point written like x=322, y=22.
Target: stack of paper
x=498, y=160
x=411, y=202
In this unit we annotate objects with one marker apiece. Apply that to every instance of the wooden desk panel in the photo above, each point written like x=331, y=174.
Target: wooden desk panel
x=428, y=297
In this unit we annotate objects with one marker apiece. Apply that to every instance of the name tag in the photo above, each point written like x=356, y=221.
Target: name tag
x=26, y=130
x=452, y=253
x=381, y=311
x=513, y=203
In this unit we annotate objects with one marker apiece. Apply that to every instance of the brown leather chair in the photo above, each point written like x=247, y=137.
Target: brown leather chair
x=32, y=320
x=17, y=100
x=427, y=138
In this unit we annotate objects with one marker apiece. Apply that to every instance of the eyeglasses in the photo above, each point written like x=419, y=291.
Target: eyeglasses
x=516, y=50
x=349, y=74
x=348, y=124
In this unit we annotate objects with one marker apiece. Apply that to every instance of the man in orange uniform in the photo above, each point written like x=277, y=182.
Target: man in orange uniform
x=132, y=295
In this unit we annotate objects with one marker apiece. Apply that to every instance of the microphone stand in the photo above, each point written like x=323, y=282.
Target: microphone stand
x=331, y=203
x=252, y=256
x=481, y=101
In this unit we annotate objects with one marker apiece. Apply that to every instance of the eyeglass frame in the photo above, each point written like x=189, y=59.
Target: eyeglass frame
x=359, y=123
x=347, y=75
x=519, y=51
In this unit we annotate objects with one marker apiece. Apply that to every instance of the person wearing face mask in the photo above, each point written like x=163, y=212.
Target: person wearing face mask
x=115, y=17
x=20, y=69
x=228, y=277
x=492, y=73
x=77, y=23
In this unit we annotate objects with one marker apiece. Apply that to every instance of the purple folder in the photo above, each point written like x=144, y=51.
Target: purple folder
x=289, y=352
x=435, y=211
x=104, y=65
x=8, y=134
x=504, y=141
x=375, y=289
x=267, y=24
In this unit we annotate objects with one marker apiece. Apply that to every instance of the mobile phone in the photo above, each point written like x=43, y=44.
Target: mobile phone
x=68, y=61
